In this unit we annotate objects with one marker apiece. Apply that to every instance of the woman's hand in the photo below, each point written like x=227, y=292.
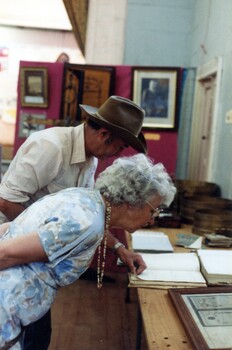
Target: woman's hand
x=134, y=261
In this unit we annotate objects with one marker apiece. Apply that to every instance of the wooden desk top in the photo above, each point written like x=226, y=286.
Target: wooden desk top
x=162, y=326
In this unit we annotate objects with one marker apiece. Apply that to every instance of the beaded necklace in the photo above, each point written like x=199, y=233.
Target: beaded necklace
x=101, y=262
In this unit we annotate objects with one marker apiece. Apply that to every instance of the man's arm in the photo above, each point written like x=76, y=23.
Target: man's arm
x=21, y=250
x=10, y=209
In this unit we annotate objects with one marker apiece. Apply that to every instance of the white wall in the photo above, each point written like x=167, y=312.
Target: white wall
x=106, y=31
x=35, y=14
x=37, y=30
x=188, y=33
x=27, y=44
x=158, y=32
x=212, y=37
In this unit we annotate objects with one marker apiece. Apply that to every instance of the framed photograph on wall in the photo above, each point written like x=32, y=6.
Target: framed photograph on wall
x=156, y=91
x=34, y=87
x=206, y=314
x=31, y=122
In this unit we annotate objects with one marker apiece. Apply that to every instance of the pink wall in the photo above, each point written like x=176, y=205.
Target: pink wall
x=162, y=145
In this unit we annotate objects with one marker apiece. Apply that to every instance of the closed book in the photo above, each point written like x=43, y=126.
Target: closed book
x=216, y=265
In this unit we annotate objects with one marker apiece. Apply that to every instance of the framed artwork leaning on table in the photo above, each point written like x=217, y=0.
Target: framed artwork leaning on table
x=206, y=315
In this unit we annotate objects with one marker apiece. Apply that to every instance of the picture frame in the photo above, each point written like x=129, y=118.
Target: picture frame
x=98, y=85
x=34, y=87
x=156, y=89
x=30, y=123
x=206, y=315
x=72, y=93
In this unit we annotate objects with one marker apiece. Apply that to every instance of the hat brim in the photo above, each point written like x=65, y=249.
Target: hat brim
x=138, y=143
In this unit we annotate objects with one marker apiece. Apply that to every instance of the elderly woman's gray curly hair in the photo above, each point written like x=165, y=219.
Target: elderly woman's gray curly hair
x=134, y=180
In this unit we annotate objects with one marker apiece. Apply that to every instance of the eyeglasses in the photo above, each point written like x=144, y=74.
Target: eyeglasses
x=156, y=211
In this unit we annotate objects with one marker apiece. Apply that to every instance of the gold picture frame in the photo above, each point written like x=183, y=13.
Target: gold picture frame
x=34, y=87
x=156, y=91
x=206, y=315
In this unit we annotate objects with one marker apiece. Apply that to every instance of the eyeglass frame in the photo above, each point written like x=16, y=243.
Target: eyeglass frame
x=157, y=210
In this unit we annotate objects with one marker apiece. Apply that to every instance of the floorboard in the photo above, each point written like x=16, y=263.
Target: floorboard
x=86, y=318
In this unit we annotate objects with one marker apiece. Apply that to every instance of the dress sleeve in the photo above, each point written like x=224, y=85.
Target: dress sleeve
x=58, y=236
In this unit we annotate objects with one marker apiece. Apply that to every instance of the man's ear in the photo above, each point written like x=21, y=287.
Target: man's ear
x=106, y=136
x=104, y=133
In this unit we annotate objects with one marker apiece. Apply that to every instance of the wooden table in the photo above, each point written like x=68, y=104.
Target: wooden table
x=162, y=327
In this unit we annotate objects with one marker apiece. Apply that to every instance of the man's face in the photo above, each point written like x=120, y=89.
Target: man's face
x=112, y=146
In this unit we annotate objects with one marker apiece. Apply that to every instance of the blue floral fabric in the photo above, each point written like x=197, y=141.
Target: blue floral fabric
x=70, y=225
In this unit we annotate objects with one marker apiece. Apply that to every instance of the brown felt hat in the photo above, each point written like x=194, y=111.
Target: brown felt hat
x=121, y=116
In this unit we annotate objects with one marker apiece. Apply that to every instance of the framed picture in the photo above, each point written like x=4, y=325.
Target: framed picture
x=34, y=87
x=72, y=95
x=206, y=314
x=156, y=91
x=98, y=83
x=31, y=122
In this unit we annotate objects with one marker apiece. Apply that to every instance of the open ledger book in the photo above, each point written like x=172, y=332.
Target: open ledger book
x=185, y=269
x=169, y=270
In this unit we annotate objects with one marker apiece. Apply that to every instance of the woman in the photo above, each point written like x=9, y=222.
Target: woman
x=53, y=241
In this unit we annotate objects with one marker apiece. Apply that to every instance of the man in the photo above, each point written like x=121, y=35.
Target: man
x=62, y=157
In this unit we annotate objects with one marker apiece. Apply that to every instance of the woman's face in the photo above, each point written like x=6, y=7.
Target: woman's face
x=137, y=217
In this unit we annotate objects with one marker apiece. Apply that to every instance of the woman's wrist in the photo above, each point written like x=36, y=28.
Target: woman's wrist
x=117, y=246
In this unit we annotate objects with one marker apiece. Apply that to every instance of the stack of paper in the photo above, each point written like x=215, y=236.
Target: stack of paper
x=214, y=240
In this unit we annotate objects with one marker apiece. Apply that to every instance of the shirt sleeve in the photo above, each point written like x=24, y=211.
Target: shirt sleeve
x=31, y=170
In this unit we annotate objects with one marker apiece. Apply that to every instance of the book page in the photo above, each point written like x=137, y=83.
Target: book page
x=172, y=276
x=178, y=267
x=147, y=240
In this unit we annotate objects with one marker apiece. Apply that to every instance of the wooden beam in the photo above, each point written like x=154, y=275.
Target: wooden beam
x=78, y=14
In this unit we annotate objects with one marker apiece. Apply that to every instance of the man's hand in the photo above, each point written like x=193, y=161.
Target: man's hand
x=10, y=209
x=134, y=261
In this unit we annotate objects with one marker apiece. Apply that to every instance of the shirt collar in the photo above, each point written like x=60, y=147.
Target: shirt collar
x=78, y=151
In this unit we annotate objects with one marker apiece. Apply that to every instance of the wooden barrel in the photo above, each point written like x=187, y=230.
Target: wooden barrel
x=212, y=220
x=193, y=187
x=197, y=187
x=189, y=204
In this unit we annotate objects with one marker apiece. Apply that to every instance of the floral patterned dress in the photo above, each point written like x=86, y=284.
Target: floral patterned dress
x=70, y=225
